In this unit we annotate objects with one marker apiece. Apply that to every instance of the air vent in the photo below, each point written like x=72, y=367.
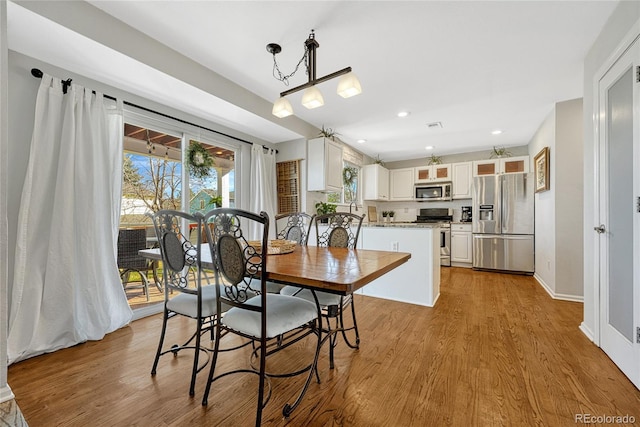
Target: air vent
x=434, y=125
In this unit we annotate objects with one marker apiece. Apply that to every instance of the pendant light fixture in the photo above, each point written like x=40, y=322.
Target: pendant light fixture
x=348, y=85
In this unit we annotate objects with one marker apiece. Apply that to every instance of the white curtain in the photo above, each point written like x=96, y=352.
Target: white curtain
x=263, y=186
x=66, y=287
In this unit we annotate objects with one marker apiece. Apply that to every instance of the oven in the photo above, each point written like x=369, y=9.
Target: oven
x=441, y=217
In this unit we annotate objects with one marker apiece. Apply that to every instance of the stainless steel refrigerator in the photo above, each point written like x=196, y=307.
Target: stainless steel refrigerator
x=503, y=223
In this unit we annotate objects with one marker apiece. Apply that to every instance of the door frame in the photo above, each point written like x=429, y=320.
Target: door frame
x=625, y=43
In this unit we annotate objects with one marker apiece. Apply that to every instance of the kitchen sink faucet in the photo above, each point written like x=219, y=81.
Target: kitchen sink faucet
x=354, y=204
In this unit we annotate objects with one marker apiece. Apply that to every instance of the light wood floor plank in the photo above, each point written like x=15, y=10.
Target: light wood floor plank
x=496, y=350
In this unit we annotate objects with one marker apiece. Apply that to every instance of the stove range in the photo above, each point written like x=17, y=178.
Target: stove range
x=442, y=216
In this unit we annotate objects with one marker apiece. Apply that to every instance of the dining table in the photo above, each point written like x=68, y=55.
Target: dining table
x=336, y=270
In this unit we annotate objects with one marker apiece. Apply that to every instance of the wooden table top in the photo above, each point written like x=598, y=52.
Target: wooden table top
x=336, y=270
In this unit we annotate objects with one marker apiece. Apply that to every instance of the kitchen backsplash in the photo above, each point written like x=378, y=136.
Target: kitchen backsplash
x=408, y=211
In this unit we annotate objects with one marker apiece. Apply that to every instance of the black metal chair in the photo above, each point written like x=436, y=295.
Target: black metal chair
x=272, y=322
x=342, y=230
x=184, y=292
x=294, y=226
x=130, y=241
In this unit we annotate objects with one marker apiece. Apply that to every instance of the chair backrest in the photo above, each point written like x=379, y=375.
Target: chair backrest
x=240, y=262
x=342, y=229
x=181, y=256
x=130, y=241
x=294, y=226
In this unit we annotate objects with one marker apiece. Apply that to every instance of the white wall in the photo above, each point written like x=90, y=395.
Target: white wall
x=5, y=391
x=545, y=226
x=622, y=23
x=558, y=219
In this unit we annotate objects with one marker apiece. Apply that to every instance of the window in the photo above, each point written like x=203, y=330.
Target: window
x=217, y=189
x=351, y=185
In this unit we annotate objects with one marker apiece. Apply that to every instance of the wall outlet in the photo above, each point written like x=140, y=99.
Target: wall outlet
x=394, y=246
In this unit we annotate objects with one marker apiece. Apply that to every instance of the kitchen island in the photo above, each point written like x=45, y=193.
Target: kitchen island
x=418, y=280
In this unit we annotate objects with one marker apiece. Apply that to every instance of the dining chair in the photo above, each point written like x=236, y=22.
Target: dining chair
x=271, y=322
x=184, y=291
x=340, y=229
x=294, y=226
x=130, y=241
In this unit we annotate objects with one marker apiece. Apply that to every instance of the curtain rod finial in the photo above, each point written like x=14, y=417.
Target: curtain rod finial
x=36, y=73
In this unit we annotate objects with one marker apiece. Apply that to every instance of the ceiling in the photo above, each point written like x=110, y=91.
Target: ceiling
x=474, y=66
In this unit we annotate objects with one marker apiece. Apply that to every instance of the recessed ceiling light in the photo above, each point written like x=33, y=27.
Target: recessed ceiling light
x=403, y=113
x=496, y=132
x=361, y=141
x=429, y=147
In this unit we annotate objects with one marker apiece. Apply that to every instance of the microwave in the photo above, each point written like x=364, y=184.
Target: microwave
x=433, y=192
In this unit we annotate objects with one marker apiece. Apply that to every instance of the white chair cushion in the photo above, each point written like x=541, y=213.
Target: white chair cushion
x=284, y=313
x=272, y=287
x=187, y=304
x=324, y=298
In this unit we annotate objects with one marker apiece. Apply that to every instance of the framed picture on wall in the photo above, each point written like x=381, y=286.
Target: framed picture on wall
x=541, y=168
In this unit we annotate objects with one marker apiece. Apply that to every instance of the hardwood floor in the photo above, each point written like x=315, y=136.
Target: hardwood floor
x=496, y=350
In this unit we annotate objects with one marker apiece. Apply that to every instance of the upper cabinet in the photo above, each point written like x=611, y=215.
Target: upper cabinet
x=519, y=164
x=432, y=173
x=324, y=165
x=462, y=180
x=376, y=182
x=401, y=183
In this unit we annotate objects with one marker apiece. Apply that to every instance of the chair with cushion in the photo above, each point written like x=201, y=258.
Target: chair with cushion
x=184, y=291
x=272, y=322
x=342, y=230
x=130, y=241
x=294, y=226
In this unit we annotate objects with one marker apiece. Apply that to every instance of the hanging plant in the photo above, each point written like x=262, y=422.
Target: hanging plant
x=199, y=160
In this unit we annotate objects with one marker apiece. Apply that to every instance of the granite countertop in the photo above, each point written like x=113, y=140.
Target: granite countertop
x=400, y=224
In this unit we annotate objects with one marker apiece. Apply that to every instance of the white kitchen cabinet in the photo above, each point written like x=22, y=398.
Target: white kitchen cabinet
x=462, y=179
x=432, y=173
x=401, y=184
x=376, y=182
x=461, y=244
x=519, y=164
x=324, y=165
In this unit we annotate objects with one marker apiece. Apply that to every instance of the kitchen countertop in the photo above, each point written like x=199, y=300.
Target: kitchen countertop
x=401, y=224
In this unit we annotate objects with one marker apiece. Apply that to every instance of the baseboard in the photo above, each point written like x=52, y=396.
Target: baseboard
x=552, y=294
x=402, y=300
x=6, y=394
x=150, y=310
x=585, y=330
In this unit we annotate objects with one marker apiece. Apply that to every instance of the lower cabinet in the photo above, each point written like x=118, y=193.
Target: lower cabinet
x=461, y=245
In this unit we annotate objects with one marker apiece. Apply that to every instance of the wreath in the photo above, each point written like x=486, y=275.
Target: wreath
x=349, y=174
x=199, y=160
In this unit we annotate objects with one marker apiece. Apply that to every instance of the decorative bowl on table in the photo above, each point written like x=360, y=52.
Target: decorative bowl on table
x=275, y=247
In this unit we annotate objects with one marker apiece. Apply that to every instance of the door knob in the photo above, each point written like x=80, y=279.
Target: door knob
x=600, y=229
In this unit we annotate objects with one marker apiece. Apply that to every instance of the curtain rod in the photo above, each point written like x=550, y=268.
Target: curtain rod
x=35, y=72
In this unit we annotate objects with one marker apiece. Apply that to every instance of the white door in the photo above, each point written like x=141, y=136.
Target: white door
x=619, y=225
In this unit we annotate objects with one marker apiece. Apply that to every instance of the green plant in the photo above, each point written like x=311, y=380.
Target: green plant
x=392, y=214
x=328, y=133
x=385, y=214
x=498, y=152
x=323, y=208
x=378, y=161
x=434, y=160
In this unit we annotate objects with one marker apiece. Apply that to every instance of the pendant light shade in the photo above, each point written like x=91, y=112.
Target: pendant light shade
x=282, y=108
x=349, y=86
x=312, y=98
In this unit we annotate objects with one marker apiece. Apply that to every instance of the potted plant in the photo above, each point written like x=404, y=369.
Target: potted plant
x=385, y=215
x=323, y=208
x=499, y=152
x=434, y=160
x=391, y=215
x=328, y=133
x=378, y=160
